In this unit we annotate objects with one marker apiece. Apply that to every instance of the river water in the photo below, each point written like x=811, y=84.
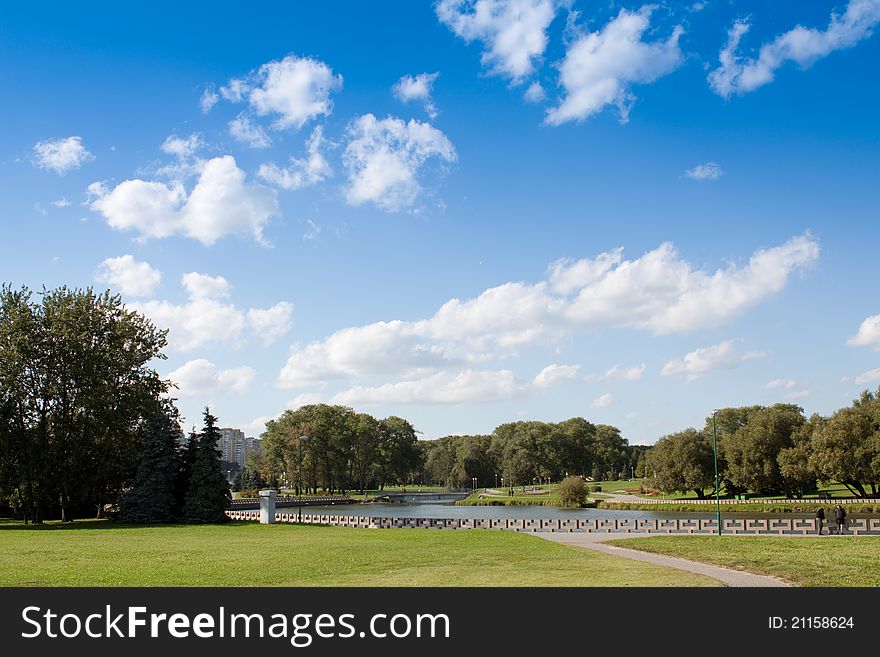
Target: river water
x=429, y=510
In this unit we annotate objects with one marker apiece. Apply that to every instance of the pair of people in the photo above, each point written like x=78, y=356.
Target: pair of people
x=839, y=517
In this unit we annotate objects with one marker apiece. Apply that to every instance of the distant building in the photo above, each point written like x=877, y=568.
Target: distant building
x=234, y=446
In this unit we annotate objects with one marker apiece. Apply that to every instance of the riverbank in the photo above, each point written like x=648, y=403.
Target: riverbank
x=102, y=553
x=867, y=508
x=517, y=501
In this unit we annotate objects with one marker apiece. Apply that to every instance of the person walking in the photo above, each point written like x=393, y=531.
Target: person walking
x=840, y=515
x=820, y=520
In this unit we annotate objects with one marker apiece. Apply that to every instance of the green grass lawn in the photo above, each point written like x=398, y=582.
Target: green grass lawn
x=818, y=561
x=99, y=553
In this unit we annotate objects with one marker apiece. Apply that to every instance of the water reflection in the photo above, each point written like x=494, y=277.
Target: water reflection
x=536, y=512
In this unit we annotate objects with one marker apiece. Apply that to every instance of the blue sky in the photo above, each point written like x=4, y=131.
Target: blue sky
x=463, y=213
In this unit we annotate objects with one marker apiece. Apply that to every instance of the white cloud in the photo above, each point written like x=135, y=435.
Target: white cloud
x=383, y=158
x=738, y=75
x=418, y=87
x=798, y=394
x=535, y=93
x=202, y=286
x=468, y=386
x=600, y=67
x=129, y=276
x=246, y=132
x=221, y=203
x=305, y=399
x=202, y=377
x=61, y=155
x=208, y=100
x=271, y=323
x=60, y=203
x=183, y=148
x=567, y=276
x=384, y=348
x=207, y=319
x=868, y=333
x=707, y=171
x=657, y=292
x=295, y=90
x=662, y=293
x=777, y=384
x=618, y=373
x=198, y=323
x=702, y=361
x=513, y=32
x=553, y=374
x=871, y=376
x=314, y=231
x=603, y=401
x=258, y=424
x=301, y=173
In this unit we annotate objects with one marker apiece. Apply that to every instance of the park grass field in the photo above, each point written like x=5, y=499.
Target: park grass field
x=100, y=553
x=805, y=561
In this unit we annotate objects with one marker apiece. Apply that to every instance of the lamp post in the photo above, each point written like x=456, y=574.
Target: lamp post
x=299, y=512
x=717, y=488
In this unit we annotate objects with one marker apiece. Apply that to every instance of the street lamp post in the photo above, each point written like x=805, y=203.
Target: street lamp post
x=717, y=488
x=299, y=512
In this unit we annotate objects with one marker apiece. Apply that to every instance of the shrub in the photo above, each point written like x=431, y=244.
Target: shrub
x=572, y=492
x=596, y=488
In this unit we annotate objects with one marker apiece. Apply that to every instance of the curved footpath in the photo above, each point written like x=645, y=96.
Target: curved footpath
x=595, y=542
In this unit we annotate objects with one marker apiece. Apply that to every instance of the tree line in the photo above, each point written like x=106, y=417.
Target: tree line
x=772, y=450
x=334, y=449
x=521, y=452
x=85, y=421
x=331, y=448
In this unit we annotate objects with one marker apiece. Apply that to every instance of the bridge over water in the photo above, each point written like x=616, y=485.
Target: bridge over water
x=419, y=497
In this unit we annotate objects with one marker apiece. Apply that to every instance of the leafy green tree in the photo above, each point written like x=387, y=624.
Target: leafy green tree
x=151, y=498
x=365, y=445
x=572, y=492
x=207, y=497
x=682, y=461
x=752, y=452
x=440, y=461
x=399, y=455
x=77, y=381
x=846, y=447
x=798, y=474
x=473, y=461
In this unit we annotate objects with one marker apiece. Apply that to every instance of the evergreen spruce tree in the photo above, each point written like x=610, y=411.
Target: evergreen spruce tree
x=151, y=498
x=207, y=496
x=184, y=472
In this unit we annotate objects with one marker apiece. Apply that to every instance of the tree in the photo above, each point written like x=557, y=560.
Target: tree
x=798, y=474
x=572, y=492
x=364, y=448
x=207, y=497
x=682, y=461
x=846, y=447
x=75, y=383
x=399, y=455
x=151, y=498
x=752, y=452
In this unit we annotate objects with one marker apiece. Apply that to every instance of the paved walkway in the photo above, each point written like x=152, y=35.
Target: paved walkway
x=595, y=542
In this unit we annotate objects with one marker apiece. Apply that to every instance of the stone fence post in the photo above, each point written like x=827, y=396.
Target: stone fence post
x=267, y=506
